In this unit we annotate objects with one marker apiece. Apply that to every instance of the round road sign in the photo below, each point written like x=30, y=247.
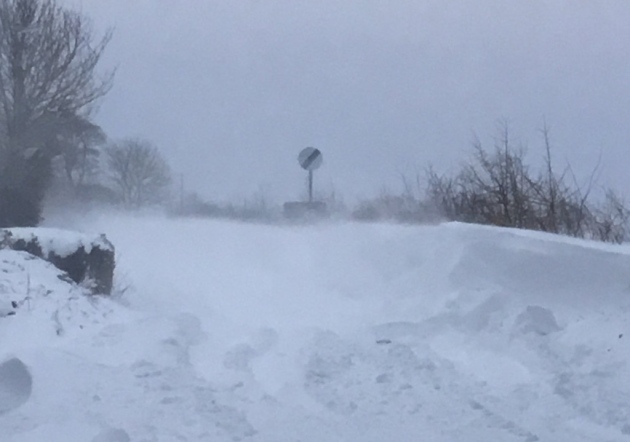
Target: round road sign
x=310, y=158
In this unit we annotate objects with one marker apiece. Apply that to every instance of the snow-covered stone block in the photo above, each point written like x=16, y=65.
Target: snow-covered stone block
x=87, y=258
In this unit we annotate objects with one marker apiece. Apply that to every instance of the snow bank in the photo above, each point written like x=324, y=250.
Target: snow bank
x=87, y=259
x=39, y=302
x=45, y=314
x=336, y=332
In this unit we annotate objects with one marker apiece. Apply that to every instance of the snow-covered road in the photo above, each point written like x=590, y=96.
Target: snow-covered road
x=331, y=332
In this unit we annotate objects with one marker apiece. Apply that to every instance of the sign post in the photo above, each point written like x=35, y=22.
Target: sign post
x=310, y=159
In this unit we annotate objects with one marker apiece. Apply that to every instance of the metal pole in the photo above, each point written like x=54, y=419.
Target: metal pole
x=181, y=193
x=310, y=186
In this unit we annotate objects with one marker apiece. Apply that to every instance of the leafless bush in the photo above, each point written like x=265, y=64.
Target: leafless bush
x=610, y=220
x=494, y=188
x=499, y=188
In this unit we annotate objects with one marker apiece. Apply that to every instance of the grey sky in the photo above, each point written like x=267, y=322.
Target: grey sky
x=231, y=90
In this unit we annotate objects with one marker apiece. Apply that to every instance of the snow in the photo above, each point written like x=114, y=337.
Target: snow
x=328, y=332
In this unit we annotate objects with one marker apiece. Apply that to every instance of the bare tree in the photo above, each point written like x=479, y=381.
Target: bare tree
x=48, y=69
x=48, y=60
x=139, y=173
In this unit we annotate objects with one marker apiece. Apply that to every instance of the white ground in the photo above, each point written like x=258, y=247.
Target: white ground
x=328, y=333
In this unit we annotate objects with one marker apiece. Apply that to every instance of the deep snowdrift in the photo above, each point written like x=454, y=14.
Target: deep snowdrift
x=333, y=332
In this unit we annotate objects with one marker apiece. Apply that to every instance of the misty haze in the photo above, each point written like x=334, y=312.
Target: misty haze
x=268, y=220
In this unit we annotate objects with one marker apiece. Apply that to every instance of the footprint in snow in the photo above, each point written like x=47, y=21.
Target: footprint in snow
x=16, y=385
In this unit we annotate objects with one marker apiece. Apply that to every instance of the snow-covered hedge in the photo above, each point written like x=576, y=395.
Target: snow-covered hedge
x=87, y=258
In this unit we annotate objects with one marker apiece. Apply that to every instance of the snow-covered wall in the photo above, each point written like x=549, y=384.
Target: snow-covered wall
x=86, y=258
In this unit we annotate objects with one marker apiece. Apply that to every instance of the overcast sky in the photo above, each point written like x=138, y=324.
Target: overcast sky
x=232, y=90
